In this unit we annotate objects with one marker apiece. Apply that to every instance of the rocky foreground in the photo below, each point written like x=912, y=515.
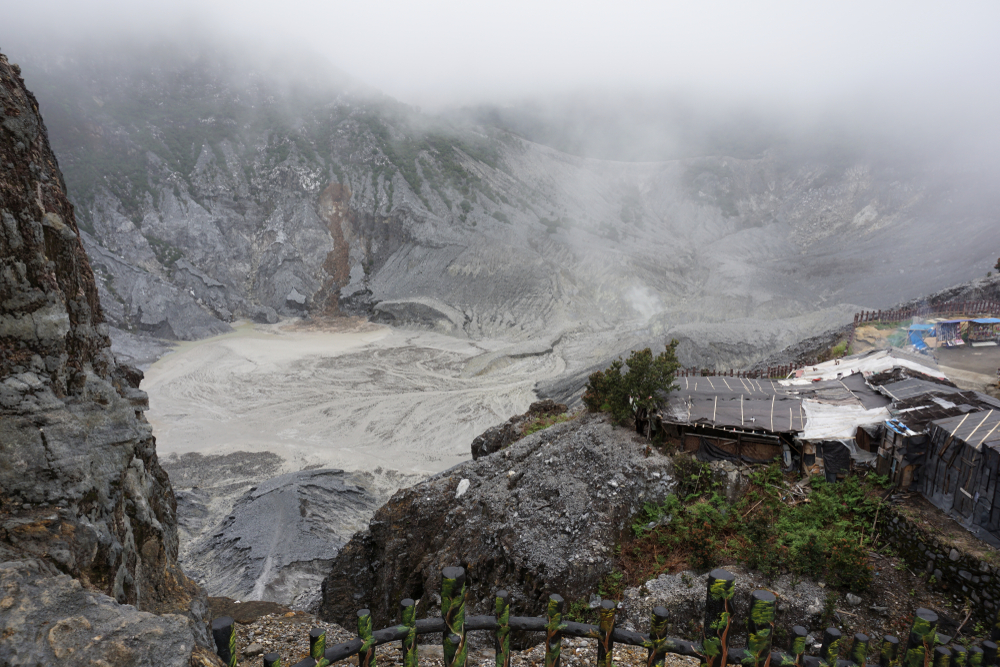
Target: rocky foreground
x=88, y=529
x=536, y=518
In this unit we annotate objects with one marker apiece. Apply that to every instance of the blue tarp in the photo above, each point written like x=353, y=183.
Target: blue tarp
x=896, y=425
x=917, y=341
x=922, y=327
x=987, y=320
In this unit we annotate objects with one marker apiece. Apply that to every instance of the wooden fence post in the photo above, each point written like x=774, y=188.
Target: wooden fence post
x=501, y=609
x=408, y=618
x=975, y=657
x=317, y=646
x=272, y=660
x=797, y=646
x=959, y=655
x=224, y=635
x=922, y=636
x=859, y=650
x=553, y=628
x=453, y=612
x=760, y=627
x=942, y=656
x=718, y=618
x=989, y=653
x=657, y=637
x=889, y=651
x=829, y=650
x=606, y=627
x=366, y=654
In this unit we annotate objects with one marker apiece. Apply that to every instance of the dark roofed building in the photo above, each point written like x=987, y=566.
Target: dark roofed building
x=961, y=468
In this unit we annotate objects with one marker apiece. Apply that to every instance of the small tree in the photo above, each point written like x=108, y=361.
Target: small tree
x=632, y=394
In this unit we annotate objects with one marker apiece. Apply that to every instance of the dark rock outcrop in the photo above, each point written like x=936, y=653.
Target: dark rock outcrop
x=497, y=437
x=88, y=539
x=539, y=517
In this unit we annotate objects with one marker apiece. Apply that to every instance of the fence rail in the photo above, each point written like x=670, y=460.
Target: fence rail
x=924, y=647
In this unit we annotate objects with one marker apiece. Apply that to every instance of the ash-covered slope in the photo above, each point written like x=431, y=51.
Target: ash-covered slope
x=88, y=537
x=211, y=188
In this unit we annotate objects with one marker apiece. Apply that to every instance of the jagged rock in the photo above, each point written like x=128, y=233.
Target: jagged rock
x=540, y=517
x=81, y=490
x=497, y=437
x=50, y=618
x=732, y=481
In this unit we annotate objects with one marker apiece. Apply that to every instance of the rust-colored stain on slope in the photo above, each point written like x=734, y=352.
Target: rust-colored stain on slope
x=334, y=210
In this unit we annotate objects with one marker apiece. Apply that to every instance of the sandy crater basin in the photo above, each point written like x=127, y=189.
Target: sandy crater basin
x=350, y=395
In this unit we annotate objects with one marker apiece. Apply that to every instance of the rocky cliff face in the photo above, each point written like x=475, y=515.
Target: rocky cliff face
x=88, y=532
x=210, y=188
x=536, y=518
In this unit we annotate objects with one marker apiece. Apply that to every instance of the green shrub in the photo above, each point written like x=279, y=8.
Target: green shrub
x=828, y=536
x=623, y=394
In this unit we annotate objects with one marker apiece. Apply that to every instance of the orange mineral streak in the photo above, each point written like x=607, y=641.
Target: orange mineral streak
x=334, y=210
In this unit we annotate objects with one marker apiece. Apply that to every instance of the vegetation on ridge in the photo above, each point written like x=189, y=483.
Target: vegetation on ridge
x=634, y=392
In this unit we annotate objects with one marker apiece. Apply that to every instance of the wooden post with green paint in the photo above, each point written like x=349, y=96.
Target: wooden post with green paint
x=453, y=612
x=718, y=618
x=829, y=650
x=224, y=634
x=366, y=654
x=923, y=633
x=501, y=609
x=317, y=646
x=959, y=655
x=657, y=656
x=553, y=627
x=975, y=657
x=272, y=660
x=889, y=651
x=859, y=649
x=942, y=656
x=989, y=653
x=606, y=627
x=797, y=645
x=408, y=619
x=760, y=627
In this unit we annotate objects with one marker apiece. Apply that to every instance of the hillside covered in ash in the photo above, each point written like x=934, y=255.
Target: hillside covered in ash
x=213, y=185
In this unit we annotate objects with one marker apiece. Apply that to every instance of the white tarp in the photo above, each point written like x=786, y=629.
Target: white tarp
x=828, y=421
x=873, y=362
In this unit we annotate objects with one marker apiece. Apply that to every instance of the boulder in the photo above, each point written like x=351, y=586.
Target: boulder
x=540, y=517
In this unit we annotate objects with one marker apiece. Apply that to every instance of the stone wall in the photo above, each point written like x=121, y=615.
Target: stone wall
x=955, y=570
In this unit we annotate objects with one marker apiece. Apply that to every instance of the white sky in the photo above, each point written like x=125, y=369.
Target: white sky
x=432, y=52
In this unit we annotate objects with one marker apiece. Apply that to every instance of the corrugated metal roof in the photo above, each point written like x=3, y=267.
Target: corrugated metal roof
x=973, y=428
x=910, y=387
